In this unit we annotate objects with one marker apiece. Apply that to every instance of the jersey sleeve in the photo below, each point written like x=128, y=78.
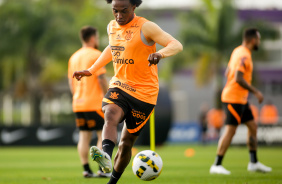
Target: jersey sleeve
x=243, y=64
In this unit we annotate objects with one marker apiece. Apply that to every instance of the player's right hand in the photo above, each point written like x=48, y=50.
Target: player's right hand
x=259, y=96
x=79, y=74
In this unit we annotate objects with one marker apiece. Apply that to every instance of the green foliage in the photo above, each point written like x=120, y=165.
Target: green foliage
x=210, y=33
x=35, y=32
x=37, y=39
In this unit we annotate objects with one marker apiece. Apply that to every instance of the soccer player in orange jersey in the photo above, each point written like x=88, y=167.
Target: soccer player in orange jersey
x=87, y=96
x=134, y=88
x=234, y=98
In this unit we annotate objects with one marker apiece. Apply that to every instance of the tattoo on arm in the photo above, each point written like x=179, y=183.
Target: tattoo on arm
x=243, y=83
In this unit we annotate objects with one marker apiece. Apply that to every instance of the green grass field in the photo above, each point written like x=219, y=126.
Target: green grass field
x=58, y=165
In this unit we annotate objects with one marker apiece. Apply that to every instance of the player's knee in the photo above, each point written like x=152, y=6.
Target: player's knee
x=111, y=114
x=253, y=128
x=231, y=131
x=124, y=146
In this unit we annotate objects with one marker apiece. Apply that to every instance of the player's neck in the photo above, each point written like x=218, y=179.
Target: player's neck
x=248, y=46
x=84, y=45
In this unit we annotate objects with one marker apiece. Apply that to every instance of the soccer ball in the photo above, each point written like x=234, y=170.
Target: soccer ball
x=147, y=165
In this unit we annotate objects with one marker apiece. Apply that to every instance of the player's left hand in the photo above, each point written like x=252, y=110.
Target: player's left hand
x=154, y=58
x=79, y=74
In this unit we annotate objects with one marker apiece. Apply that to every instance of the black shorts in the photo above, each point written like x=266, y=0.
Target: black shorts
x=237, y=113
x=136, y=112
x=93, y=120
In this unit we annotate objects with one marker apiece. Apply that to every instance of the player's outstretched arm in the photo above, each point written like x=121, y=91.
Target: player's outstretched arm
x=153, y=32
x=103, y=60
x=243, y=83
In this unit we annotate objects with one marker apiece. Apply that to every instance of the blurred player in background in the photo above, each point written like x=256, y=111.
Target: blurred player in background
x=234, y=98
x=134, y=88
x=203, y=120
x=87, y=96
x=269, y=114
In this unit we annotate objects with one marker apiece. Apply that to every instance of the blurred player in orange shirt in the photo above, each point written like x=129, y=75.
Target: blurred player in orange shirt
x=234, y=98
x=216, y=118
x=87, y=96
x=269, y=114
x=134, y=88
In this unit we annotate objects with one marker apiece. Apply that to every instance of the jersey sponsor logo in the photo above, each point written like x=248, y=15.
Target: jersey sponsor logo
x=134, y=25
x=128, y=35
x=114, y=95
x=123, y=61
x=117, y=60
x=124, y=86
x=118, y=48
x=138, y=114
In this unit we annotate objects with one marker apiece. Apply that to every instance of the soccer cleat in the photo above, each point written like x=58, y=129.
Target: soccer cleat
x=100, y=174
x=219, y=169
x=87, y=174
x=102, y=158
x=258, y=167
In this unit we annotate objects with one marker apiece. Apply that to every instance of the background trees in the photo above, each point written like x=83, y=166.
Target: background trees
x=209, y=34
x=37, y=39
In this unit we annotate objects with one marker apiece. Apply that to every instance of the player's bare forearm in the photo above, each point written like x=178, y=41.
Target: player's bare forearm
x=103, y=83
x=243, y=83
x=173, y=47
x=153, y=32
x=103, y=60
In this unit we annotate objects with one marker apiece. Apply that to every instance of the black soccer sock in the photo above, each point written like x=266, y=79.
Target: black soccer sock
x=253, y=156
x=87, y=168
x=108, y=146
x=218, y=160
x=114, y=177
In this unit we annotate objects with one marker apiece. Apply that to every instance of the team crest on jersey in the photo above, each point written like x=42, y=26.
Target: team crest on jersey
x=114, y=95
x=128, y=35
x=118, y=37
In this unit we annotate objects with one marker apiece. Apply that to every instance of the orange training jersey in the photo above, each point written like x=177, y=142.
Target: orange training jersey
x=241, y=60
x=87, y=93
x=129, y=55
